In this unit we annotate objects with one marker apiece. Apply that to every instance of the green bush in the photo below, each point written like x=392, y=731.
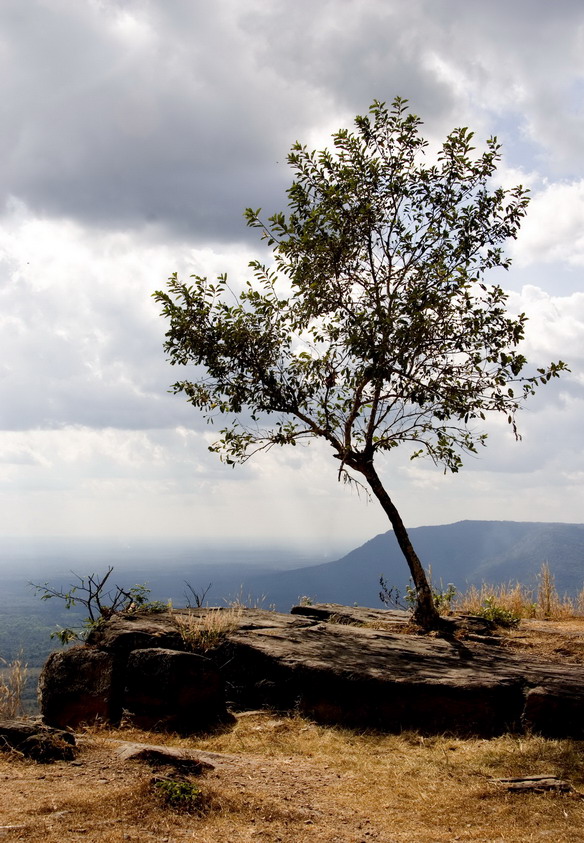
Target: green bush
x=180, y=795
x=492, y=611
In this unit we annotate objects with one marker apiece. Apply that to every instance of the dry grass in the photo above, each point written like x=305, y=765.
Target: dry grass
x=553, y=640
x=543, y=603
x=12, y=682
x=290, y=780
x=205, y=631
x=241, y=600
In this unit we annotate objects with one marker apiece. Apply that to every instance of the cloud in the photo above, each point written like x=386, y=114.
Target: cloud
x=555, y=323
x=82, y=481
x=80, y=336
x=117, y=119
x=134, y=134
x=553, y=230
x=127, y=114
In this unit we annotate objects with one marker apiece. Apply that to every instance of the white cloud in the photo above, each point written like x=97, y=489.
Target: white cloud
x=553, y=230
x=80, y=335
x=555, y=328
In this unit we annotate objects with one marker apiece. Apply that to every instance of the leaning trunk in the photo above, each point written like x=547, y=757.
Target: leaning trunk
x=425, y=612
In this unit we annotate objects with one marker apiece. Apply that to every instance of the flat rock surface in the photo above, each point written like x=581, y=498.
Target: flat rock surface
x=342, y=648
x=159, y=754
x=126, y=632
x=362, y=668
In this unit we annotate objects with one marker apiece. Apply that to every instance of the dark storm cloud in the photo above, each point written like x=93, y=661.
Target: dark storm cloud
x=119, y=121
x=179, y=114
x=119, y=114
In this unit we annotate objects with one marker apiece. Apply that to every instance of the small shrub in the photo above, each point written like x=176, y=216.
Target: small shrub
x=195, y=599
x=180, y=795
x=492, y=611
x=443, y=598
x=100, y=601
x=390, y=595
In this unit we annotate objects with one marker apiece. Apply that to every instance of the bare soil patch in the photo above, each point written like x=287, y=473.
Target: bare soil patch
x=559, y=641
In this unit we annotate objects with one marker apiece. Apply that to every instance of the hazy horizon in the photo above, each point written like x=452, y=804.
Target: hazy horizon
x=133, y=551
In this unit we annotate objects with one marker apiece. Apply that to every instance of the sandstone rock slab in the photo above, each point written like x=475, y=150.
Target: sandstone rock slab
x=123, y=633
x=347, y=665
x=173, y=691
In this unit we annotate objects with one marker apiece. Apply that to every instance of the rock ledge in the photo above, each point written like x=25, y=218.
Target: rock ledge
x=352, y=666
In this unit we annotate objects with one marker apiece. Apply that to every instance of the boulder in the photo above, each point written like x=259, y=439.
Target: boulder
x=123, y=633
x=166, y=756
x=554, y=709
x=76, y=686
x=184, y=761
x=173, y=691
x=36, y=740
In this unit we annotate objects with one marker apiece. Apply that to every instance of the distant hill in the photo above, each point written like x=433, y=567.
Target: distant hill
x=464, y=553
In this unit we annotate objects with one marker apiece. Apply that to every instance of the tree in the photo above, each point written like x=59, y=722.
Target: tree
x=100, y=600
x=373, y=325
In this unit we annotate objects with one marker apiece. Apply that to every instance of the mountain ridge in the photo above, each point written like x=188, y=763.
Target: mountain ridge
x=465, y=553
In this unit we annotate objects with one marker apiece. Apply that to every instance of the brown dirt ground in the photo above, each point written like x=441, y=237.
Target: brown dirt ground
x=554, y=640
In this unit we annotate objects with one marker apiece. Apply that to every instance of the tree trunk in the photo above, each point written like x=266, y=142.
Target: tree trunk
x=425, y=612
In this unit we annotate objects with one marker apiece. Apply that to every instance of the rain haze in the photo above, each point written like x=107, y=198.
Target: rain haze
x=135, y=133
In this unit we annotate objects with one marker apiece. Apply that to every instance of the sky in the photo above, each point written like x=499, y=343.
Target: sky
x=135, y=133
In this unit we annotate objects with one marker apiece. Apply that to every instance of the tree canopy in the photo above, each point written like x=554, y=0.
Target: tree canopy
x=372, y=326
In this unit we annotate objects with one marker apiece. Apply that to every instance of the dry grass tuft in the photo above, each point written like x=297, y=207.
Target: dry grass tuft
x=12, y=682
x=249, y=601
x=205, y=631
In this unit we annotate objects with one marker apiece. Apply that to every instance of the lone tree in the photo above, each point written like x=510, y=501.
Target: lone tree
x=372, y=327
